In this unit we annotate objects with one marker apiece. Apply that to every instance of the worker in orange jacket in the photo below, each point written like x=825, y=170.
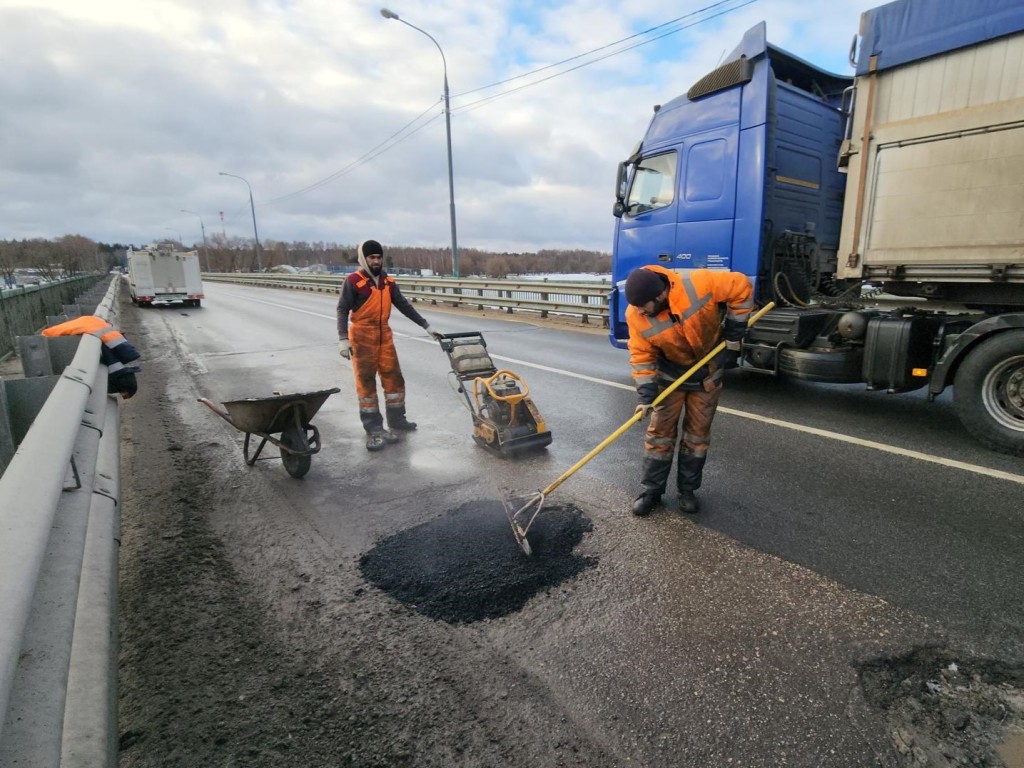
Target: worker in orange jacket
x=675, y=320
x=116, y=353
x=364, y=310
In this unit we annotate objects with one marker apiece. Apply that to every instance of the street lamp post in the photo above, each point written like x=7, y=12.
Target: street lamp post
x=259, y=262
x=202, y=227
x=448, y=128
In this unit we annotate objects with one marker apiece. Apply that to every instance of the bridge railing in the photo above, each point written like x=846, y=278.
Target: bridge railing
x=585, y=300
x=59, y=538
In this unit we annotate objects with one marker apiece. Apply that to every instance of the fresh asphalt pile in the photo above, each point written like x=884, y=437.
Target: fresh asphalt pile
x=466, y=566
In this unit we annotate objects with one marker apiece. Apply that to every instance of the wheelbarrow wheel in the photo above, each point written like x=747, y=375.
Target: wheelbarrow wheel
x=296, y=464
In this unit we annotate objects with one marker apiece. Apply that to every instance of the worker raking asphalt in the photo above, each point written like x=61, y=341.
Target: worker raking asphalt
x=464, y=566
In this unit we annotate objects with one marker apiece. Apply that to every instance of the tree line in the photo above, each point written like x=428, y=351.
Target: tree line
x=74, y=254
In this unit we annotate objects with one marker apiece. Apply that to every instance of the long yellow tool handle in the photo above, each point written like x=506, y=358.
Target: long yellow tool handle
x=636, y=416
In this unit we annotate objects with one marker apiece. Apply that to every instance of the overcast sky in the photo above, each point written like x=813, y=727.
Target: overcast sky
x=117, y=114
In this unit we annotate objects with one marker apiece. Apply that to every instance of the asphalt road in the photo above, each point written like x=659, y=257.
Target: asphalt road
x=838, y=526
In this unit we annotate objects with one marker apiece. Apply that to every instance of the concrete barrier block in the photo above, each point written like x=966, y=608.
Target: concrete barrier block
x=25, y=398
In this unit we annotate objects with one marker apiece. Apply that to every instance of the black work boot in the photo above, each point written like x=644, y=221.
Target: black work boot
x=652, y=485
x=645, y=503
x=397, y=420
x=378, y=438
x=688, y=503
x=689, y=474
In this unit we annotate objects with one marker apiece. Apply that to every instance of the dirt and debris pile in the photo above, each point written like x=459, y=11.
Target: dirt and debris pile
x=466, y=566
x=947, y=709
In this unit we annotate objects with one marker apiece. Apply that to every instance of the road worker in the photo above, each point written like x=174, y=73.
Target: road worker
x=116, y=352
x=364, y=309
x=675, y=320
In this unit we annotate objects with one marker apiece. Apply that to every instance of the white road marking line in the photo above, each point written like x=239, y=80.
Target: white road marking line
x=996, y=473
x=884, y=448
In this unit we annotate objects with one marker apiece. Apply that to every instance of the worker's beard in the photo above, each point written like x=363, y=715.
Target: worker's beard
x=659, y=306
x=375, y=269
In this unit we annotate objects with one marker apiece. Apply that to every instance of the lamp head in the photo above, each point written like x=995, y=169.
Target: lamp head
x=389, y=14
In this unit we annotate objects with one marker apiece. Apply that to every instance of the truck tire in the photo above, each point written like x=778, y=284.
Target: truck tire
x=988, y=392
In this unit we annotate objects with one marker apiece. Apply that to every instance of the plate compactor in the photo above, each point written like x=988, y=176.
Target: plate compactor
x=505, y=420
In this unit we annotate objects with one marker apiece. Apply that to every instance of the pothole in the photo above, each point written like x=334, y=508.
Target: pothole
x=466, y=566
x=949, y=709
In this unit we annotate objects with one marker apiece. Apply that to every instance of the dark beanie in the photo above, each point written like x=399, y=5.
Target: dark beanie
x=123, y=381
x=370, y=247
x=643, y=286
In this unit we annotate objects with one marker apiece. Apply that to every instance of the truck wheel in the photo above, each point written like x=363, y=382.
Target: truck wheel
x=988, y=392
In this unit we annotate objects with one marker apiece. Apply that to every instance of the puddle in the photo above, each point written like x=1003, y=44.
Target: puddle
x=945, y=708
x=1012, y=749
x=466, y=566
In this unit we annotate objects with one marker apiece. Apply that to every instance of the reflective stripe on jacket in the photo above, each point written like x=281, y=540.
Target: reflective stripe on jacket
x=690, y=327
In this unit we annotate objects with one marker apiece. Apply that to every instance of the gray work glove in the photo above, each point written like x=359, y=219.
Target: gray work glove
x=345, y=349
x=643, y=410
x=435, y=334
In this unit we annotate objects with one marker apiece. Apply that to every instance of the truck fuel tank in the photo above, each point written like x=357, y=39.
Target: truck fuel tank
x=899, y=352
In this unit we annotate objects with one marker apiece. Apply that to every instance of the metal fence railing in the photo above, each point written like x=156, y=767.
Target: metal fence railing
x=585, y=300
x=59, y=534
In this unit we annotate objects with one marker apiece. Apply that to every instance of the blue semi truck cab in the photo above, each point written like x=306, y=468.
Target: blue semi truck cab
x=905, y=179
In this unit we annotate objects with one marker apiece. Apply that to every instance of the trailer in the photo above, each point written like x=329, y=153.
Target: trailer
x=881, y=212
x=162, y=274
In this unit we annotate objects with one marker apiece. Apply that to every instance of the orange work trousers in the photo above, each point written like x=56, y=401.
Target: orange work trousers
x=373, y=355
x=697, y=409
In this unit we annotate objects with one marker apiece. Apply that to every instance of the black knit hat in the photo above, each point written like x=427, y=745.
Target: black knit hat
x=643, y=286
x=370, y=247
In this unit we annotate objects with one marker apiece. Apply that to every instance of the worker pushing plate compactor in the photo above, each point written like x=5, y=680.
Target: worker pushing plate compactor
x=505, y=420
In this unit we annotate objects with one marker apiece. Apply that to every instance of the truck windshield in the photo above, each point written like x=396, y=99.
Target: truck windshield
x=654, y=184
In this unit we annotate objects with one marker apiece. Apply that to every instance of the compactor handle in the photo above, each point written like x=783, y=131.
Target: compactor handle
x=448, y=343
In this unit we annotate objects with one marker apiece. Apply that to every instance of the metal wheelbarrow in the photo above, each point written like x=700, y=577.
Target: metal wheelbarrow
x=288, y=414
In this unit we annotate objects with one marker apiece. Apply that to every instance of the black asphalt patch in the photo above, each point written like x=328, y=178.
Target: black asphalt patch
x=466, y=565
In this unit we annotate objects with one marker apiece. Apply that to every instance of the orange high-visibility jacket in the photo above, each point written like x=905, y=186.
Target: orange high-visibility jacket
x=690, y=327
x=116, y=352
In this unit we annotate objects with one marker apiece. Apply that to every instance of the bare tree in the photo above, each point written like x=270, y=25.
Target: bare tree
x=11, y=255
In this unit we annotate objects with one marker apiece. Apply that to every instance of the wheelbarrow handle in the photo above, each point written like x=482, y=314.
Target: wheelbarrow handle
x=218, y=409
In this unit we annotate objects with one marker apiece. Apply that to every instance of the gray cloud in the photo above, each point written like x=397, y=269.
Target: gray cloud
x=117, y=115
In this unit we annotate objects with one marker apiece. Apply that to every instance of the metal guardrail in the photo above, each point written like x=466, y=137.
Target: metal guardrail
x=59, y=537
x=579, y=299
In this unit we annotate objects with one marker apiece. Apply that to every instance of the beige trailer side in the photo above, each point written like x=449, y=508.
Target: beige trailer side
x=937, y=198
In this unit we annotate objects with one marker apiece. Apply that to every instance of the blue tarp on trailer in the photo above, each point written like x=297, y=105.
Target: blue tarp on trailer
x=908, y=30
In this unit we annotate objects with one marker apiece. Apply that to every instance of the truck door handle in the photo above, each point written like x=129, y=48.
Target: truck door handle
x=665, y=257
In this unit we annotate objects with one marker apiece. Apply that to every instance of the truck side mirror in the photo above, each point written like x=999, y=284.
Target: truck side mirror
x=618, y=209
x=620, y=182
